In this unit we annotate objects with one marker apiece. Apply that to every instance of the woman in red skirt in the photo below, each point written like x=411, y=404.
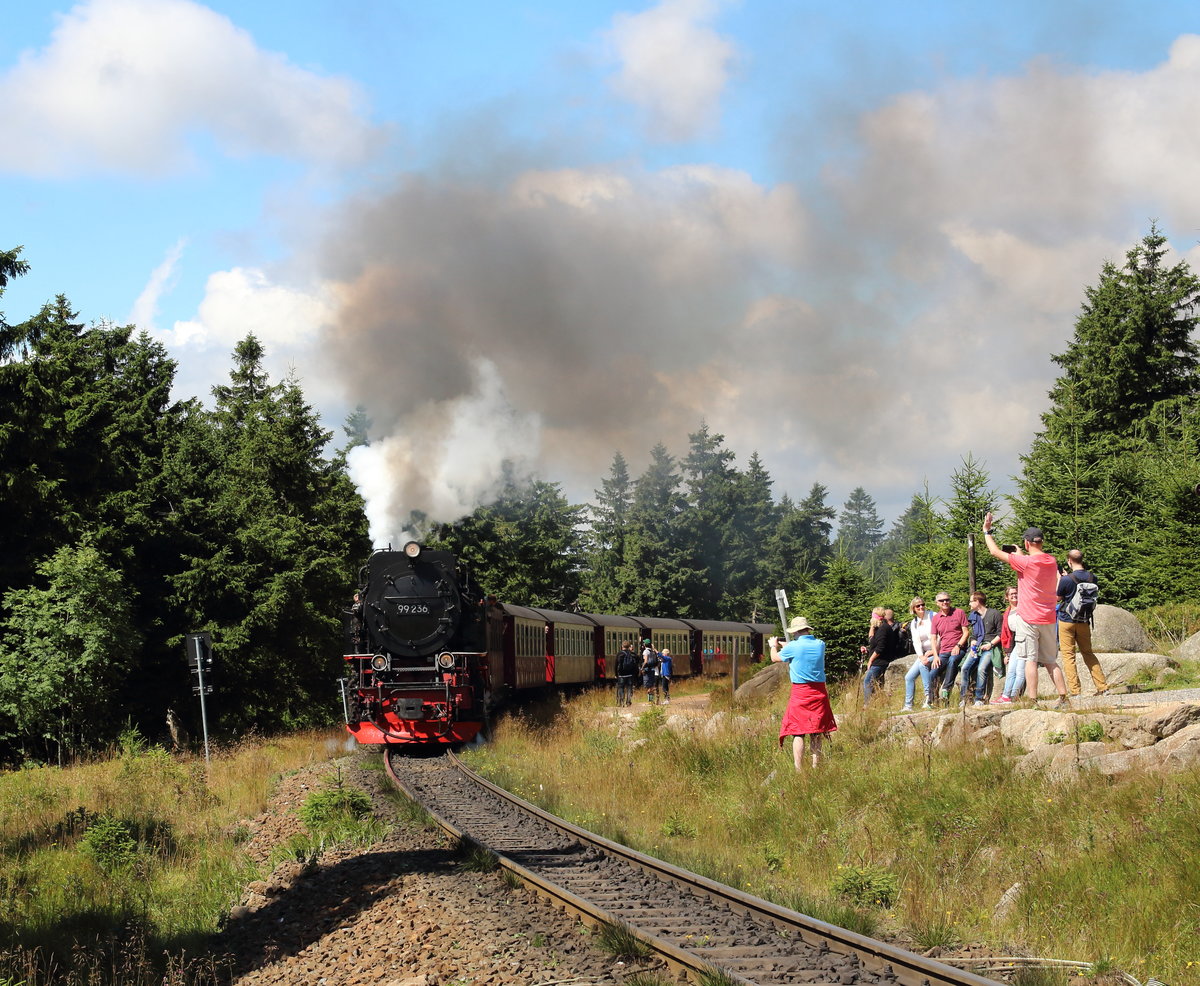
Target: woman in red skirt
x=809, y=713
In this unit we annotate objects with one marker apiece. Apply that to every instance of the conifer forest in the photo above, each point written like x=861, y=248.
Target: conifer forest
x=131, y=519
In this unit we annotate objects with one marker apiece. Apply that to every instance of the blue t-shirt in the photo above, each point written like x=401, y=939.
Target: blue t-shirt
x=805, y=658
x=976, y=621
x=664, y=665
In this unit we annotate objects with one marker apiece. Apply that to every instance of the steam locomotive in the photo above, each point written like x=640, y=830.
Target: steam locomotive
x=430, y=657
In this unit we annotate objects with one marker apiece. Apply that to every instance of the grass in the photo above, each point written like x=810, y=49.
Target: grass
x=618, y=940
x=1184, y=674
x=936, y=836
x=115, y=871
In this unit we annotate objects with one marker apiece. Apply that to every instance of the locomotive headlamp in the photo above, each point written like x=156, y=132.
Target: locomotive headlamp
x=445, y=661
x=412, y=549
x=380, y=662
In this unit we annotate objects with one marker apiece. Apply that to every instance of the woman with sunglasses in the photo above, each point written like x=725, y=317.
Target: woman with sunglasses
x=920, y=628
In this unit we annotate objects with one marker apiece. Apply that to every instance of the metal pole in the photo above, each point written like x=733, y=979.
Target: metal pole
x=781, y=601
x=203, y=710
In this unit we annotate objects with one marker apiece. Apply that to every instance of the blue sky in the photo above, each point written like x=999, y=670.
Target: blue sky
x=846, y=238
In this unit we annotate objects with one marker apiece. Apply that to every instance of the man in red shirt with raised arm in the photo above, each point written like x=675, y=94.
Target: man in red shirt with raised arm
x=1036, y=620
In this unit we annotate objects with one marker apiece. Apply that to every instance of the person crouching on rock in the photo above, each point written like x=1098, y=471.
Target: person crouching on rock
x=809, y=713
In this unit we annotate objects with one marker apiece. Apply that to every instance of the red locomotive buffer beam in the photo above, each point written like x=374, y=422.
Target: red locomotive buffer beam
x=441, y=706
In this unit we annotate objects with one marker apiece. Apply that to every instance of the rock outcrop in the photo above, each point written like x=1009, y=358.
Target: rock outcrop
x=1189, y=650
x=763, y=685
x=1115, y=630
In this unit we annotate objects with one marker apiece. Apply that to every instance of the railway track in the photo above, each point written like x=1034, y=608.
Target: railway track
x=696, y=925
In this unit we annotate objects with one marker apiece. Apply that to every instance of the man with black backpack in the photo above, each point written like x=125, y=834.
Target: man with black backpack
x=1077, y=596
x=627, y=669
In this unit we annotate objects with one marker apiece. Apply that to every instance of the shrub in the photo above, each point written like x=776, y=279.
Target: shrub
x=1089, y=732
x=1171, y=623
x=867, y=886
x=678, y=824
x=652, y=720
x=110, y=843
x=323, y=809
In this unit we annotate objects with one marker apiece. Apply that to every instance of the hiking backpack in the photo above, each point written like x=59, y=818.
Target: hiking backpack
x=1078, y=606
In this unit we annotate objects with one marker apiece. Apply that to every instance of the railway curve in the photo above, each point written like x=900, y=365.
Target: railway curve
x=696, y=925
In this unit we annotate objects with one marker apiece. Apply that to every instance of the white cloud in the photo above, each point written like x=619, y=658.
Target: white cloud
x=124, y=85
x=673, y=65
x=145, y=308
x=1049, y=154
x=241, y=301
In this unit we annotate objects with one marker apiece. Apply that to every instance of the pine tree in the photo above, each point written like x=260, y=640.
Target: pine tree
x=811, y=527
x=357, y=428
x=524, y=548
x=657, y=577
x=917, y=525
x=275, y=533
x=609, y=528
x=839, y=607
x=936, y=560
x=747, y=593
x=1133, y=365
x=860, y=528
x=705, y=526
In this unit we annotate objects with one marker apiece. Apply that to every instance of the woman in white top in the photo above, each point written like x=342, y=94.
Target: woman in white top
x=920, y=629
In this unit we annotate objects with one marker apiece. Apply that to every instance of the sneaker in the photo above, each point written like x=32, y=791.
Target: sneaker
x=945, y=695
x=1062, y=703
x=927, y=705
x=666, y=701
x=1002, y=700
x=978, y=704
x=907, y=708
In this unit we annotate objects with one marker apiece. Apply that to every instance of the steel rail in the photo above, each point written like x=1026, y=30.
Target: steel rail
x=908, y=968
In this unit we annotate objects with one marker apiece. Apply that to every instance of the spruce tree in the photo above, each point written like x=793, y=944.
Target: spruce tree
x=275, y=532
x=602, y=592
x=524, y=547
x=705, y=526
x=1129, y=373
x=657, y=576
x=860, y=528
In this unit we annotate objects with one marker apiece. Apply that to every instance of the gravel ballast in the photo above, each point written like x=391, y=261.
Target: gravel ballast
x=401, y=912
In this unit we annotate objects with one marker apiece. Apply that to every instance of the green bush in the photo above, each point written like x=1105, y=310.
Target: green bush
x=678, y=824
x=1171, y=623
x=1089, y=732
x=110, y=842
x=652, y=720
x=324, y=809
x=867, y=886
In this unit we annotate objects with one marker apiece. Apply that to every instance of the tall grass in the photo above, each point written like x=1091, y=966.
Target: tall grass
x=115, y=871
x=1107, y=869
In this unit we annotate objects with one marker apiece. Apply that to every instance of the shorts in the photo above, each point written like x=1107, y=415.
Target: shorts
x=1035, y=641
